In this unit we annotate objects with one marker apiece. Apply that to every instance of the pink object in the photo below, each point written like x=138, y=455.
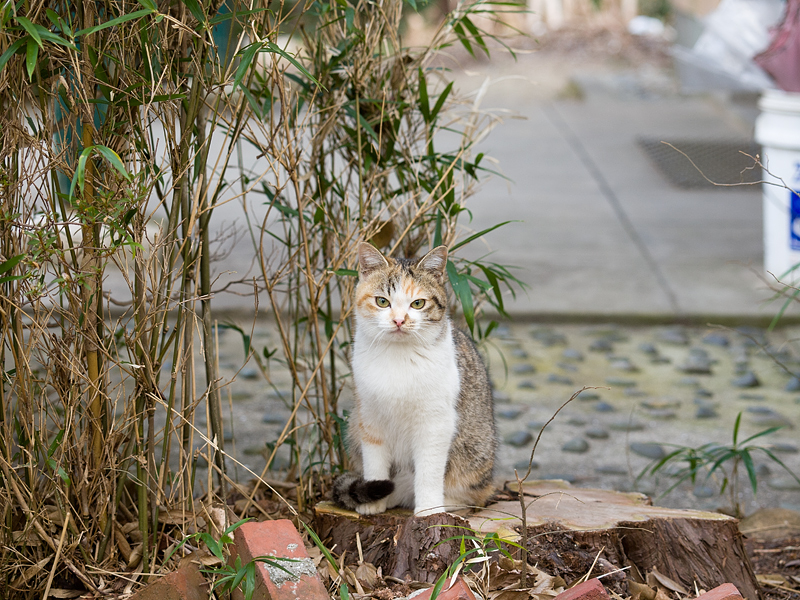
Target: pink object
x=781, y=59
x=279, y=539
x=726, y=591
x=588, y=590
x=187, y=583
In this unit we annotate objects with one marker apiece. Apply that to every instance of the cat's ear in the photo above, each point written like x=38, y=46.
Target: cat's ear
x=435, y=261
x=369, y=259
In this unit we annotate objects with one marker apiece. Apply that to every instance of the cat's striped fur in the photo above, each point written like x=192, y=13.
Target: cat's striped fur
x=422, y=434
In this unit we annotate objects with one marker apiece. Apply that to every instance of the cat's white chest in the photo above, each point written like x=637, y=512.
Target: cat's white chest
x=406, y=382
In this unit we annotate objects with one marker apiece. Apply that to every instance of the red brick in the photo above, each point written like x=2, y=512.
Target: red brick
x=187, y=583
x=726, y=591
x=588, y=590
x=459, y=591
x=279, y=539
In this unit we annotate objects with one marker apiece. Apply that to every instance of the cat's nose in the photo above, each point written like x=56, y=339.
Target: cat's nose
x=399, y=321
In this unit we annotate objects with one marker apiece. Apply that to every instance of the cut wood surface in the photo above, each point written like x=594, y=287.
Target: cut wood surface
x=570, y=530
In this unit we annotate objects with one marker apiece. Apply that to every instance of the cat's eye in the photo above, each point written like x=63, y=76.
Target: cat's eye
x=381, y=302
x=418, y=303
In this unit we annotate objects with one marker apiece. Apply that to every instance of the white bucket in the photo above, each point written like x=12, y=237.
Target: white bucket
x=778, y=132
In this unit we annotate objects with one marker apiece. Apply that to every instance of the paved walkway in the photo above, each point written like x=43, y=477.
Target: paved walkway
x=603, y=233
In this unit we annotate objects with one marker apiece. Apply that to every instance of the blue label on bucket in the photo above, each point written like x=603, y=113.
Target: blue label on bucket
x=794, y=221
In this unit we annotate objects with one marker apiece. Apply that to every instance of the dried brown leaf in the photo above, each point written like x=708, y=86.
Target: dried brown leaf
x=367, y=574
x=60, y=593
x=31, y=572
x=640, y=591
x=664, y=581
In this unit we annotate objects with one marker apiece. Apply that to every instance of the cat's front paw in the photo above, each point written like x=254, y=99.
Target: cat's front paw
x=372, y=508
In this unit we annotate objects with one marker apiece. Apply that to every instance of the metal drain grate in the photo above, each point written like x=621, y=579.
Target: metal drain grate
x=721, y=161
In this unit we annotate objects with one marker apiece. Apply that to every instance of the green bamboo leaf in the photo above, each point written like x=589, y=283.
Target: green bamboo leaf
x=441, y=100
x=274, y=48
x=479, y=234
x=137, y=14
x=196, y=10
x=221, y=18
x=149, y=4
x=12, y=262
x=250, y=581
x=460, y=286
x=344, y=593
x=763, y=433
x=80, y=172
x=346, y=272
x=31, y=29
x=751, y=470
x=476, y=34
x=12, y=50
x=424, y=101
x=247, y=55
x=49, y=36
x=736, y=425
x=31, y=56
x=113, y=158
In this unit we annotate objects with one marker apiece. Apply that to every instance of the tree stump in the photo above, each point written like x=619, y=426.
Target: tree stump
x=570, y=531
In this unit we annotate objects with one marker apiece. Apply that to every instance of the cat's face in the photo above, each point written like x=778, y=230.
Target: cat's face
x=401, y=300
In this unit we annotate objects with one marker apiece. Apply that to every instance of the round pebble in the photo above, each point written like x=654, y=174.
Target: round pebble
x=620, y=382
x=572, y=354
x=578, y=445
x=648, y=450
x=596, y=433
x=748, y=380
x=674, y=336
x=752, y=397
x=610, y=470
x=501, y=397
x=576, y=421
x=662, y=414
x=633, y=392
x=648, y=348
x=793, y=385
x=626, y=426
x=784, y=447
x=568, y=367
x=522, y=466
x=704, y=491
x=660, y=360
x=520, y=353
x=601, y=345
x=510, y=412
x=523, y=369
x=518, y=439
x=706, y=412
x=560, y=379
x=589, y=395
x=623, y=364
x=249, y=373
x=696, y=365
x=526, y=384
x=273, y=419
x=604, y=407
x=688, y=382
x=784, y=483
x=536, y=425
x=703, y=393
x=717, y=339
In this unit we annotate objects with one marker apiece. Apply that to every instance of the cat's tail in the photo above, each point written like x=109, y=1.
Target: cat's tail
x=351, y=490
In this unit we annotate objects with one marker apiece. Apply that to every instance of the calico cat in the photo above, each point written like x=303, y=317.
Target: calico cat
x=422, y=433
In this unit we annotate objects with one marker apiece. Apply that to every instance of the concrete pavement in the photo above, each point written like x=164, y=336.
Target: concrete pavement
x=604, y=234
